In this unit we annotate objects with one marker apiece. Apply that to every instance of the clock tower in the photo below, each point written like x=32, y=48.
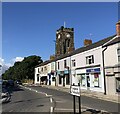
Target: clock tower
x=64, y=41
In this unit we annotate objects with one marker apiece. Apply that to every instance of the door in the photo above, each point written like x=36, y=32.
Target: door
x=64, y=80
x=88, y=81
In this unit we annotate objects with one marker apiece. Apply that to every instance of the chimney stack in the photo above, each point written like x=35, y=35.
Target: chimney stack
x=118, y=28
x=87, y=42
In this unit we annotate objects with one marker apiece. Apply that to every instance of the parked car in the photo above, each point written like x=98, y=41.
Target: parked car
x=10, y=82
x=5, y=95
x=18, y=82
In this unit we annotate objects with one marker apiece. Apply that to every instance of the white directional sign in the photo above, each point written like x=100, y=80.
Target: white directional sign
x=75, y=90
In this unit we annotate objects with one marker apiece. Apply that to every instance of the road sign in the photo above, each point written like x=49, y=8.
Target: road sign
x=75, y=90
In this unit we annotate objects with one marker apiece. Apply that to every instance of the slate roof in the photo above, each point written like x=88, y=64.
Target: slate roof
x=82, y=49
x=114, y=41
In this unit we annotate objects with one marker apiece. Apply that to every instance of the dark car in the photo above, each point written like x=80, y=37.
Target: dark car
x=10, y=82
x=18, y=82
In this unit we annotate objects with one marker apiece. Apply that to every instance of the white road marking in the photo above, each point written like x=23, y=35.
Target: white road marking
x=51, y=109
x=51, y=100
x=60, y=101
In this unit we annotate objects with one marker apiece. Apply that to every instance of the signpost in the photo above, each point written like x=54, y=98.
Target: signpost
x=75, y=91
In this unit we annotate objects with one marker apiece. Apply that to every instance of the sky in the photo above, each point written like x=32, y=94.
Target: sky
x=29, y=28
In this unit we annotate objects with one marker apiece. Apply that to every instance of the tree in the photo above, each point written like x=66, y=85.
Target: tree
x=23, y=70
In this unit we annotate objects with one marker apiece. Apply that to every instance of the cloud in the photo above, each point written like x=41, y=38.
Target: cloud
x=1, y=61
x=17, y=59
x=4, y=66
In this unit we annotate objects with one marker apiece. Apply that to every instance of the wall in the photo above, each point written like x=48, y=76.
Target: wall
x=80, y=59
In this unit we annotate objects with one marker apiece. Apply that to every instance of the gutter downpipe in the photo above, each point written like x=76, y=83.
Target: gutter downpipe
x=104, y=70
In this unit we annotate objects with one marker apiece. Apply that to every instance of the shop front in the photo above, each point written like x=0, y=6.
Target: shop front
x=64, y=78
x=90, y=79
x=112, y=80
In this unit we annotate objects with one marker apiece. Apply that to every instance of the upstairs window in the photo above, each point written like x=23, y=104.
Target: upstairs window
x=65, y=63
x=118, y=52
x=38, y=70
x=90, y=59
x=58, y=65
x=73, y=63
x=42, y=69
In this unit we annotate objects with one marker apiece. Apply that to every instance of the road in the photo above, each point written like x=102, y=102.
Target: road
x=46, y=100
x=24, y=100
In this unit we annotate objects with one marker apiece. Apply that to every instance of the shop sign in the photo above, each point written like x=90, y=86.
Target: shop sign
x=58, y=72
x=93, y=70
x=66, y=71
x=75, y=90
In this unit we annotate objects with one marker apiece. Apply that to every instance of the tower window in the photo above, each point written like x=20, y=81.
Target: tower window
x=68, y=43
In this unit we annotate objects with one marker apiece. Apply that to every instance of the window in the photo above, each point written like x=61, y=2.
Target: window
x=37, y=77
x=42, y=69
x=118, y=84
x=82, y=80
x=45, y=68
x=90, y=59
x=96, y=80
x=38, y=70
x=58, y=65
x=118, y=52
x=68, y=43
x=65, y=63
x=73, y=63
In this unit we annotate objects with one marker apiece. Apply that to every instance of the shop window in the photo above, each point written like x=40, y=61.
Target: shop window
x=82, y=79
x=67, y=79
x=96, y=80
x=37, y=77
x=118, y=84
x=73, y=63
x=90, y=59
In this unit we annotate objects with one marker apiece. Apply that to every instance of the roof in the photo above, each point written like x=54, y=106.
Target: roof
x=82, y=49
x=114, y=41
x=44, y=63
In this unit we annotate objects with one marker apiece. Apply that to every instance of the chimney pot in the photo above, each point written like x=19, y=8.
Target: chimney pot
x=118, y=28
x=87, y=42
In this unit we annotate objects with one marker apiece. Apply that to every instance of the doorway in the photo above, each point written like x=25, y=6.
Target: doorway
x=88, y=81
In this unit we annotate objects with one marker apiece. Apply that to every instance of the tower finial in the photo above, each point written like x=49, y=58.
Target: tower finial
x=64, y=24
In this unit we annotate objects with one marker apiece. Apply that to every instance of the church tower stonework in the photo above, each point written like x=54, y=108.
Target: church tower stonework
x=64, y=41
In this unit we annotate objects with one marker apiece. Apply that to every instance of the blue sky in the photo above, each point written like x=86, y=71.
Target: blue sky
x=29, y=28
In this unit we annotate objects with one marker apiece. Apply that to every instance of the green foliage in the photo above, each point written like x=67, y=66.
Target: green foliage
x=23, y=70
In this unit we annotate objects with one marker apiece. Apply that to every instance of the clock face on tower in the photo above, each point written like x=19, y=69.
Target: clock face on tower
x=58, y=36
x=68, y=35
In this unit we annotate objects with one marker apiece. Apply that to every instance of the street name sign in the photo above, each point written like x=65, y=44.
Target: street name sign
x=75, y=90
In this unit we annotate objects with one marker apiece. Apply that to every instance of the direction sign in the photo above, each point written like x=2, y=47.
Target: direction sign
x=75, y=90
